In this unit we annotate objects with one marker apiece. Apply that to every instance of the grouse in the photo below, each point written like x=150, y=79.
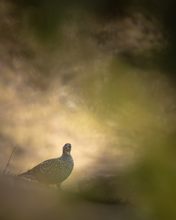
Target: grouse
x=52, y=171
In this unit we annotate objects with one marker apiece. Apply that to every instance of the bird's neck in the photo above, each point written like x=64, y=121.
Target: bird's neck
x=66, y=154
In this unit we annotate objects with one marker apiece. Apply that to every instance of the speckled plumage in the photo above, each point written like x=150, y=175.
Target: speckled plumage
x=52, y=171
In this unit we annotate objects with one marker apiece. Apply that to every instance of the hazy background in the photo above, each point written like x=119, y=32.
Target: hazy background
x=99, y=75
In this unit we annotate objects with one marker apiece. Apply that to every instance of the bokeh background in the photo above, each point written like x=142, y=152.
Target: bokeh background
x=100, y=75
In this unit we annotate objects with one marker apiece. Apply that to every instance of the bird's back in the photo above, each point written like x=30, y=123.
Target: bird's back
x=52, y=171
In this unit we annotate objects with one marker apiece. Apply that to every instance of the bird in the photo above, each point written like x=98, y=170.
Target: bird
x=53, y=171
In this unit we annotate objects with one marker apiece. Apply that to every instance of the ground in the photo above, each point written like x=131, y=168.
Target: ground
x=21, y=199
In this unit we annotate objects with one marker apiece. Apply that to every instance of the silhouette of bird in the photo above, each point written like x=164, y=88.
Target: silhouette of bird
x=52, y=171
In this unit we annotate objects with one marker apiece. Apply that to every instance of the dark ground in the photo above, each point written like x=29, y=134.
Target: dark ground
x=22, y=199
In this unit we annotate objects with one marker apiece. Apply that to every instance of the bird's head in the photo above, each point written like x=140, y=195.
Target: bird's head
x=67, y=148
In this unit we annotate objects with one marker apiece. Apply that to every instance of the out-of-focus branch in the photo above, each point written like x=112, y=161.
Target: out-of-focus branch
x=8, y=162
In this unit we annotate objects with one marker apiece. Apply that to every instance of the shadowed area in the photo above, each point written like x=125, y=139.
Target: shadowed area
x=53, y=204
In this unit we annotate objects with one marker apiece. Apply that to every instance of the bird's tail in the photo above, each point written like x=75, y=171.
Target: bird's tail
x=27, y=175
x=22, y=174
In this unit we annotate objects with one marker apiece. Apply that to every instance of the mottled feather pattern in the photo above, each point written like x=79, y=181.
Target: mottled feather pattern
x=53, y=171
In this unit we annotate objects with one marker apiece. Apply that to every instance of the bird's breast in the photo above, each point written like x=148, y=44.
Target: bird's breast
x=66, y=167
